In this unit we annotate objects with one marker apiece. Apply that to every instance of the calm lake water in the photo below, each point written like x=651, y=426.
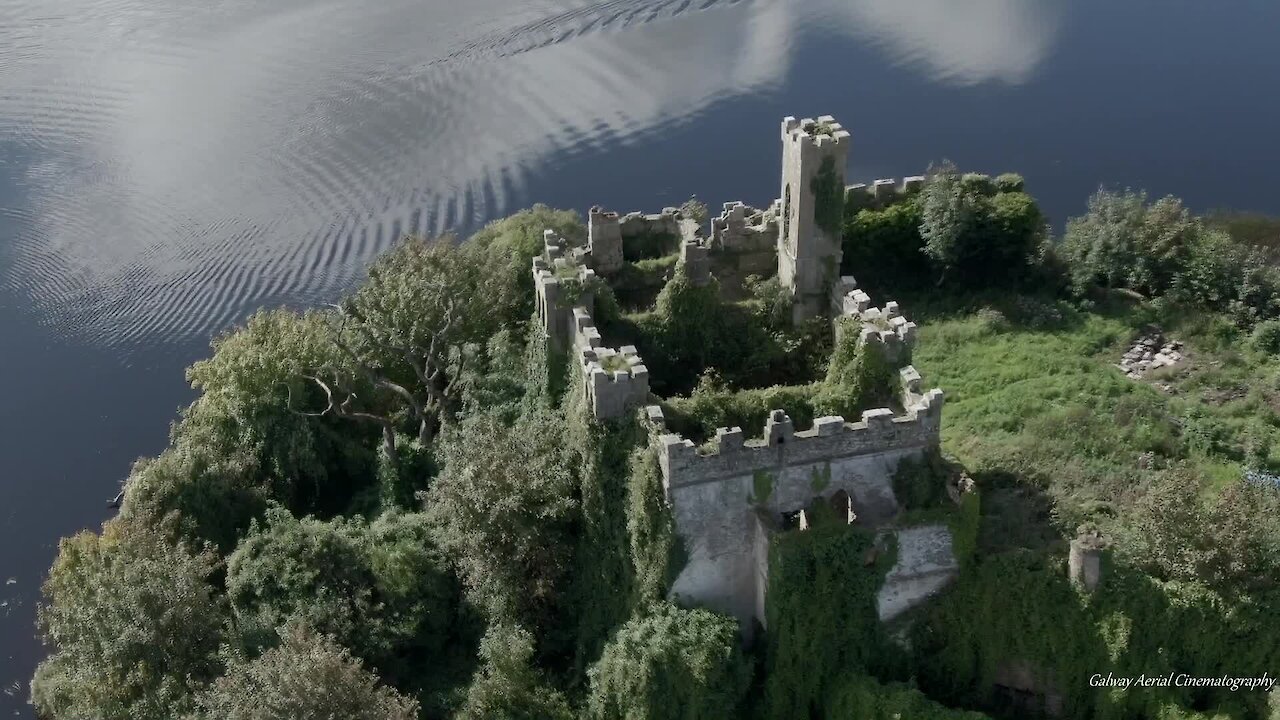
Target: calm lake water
x=165, y=167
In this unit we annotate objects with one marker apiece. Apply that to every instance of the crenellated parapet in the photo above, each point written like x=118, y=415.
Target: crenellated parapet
x=881, y=193
x=732, y=455
x=616, y=380
x=821, y=134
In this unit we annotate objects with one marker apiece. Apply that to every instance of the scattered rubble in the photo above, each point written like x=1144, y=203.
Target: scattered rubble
x=1150, y=352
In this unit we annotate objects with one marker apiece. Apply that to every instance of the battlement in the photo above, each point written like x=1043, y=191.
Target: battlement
x=881, y=193
x=850, y=301
x=731, y=454
x=741, y=228
x=824, y=132
x=616, y=380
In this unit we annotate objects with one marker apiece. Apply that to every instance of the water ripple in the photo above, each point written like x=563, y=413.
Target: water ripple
x=180, y=164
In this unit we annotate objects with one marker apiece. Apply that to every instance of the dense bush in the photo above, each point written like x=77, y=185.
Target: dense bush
x=670, y=663
x=693, y=329
x=1266, y=337
x=822, y=619
x=504, y=507
x=712, y=405
x=1020, y=610
x=1160, y=249
x=382, y=589
x=862, y=698
x=965, y=231
x=306, y=676
x=860, y=376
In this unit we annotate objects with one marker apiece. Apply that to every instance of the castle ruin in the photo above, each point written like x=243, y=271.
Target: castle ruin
x=729, y=498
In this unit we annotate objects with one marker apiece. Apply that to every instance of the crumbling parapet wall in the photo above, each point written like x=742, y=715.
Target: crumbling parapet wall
x=614, y=380
x=883, y=325
x=743, y=242
x=814, y=155
x=744, y=229
x=561, y=282
x=881, y=193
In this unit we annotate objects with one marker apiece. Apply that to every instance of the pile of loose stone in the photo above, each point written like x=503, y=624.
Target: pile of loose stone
x=1150, y=352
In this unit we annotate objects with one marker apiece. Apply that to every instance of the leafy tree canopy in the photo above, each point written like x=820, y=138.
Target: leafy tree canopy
x=135, y=621
x=307, y=677
x=381, y=588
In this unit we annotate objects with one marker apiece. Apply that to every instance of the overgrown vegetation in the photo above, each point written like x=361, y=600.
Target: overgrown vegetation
x=400, y=506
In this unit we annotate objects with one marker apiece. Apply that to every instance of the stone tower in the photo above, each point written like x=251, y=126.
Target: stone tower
x=811, y=211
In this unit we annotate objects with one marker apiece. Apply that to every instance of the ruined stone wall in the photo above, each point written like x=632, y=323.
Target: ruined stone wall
x=614, y=380
x=561, y=282
x=718, y=494
x=880, y=193
x=744, y=242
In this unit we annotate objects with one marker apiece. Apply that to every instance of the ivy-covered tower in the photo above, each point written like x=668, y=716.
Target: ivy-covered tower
x=811, y=211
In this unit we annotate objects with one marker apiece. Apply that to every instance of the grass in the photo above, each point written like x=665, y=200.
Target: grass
x=1036, y=410
x=614, y=363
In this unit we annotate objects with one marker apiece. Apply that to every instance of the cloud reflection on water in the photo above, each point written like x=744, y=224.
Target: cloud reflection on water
x=191, y=162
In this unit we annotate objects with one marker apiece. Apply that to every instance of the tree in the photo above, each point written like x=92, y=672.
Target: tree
x=134, y=621
x=947, y=215
x=508, y=246
x=381, y=589
x=307, y=677
x=243, y=442
x=505, y=510
x=670, y=663
x=1099, y=246
x=507, y=687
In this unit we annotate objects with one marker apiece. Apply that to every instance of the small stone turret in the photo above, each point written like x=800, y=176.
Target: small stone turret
x=1084, y=563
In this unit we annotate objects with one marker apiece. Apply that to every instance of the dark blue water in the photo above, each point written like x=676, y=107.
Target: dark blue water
x=165, y=168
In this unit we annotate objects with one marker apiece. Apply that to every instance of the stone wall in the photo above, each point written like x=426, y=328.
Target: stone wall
x=885, y=325
x=604, y=240
x=561, y=282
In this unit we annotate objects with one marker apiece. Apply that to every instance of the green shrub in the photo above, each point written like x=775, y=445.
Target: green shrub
x=1266, y=337
x=822, y=619
x=712, y=405
x=862, y=698
x=920, y=483
x=1010, y=183
x=859, y=377
x=669, y=662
